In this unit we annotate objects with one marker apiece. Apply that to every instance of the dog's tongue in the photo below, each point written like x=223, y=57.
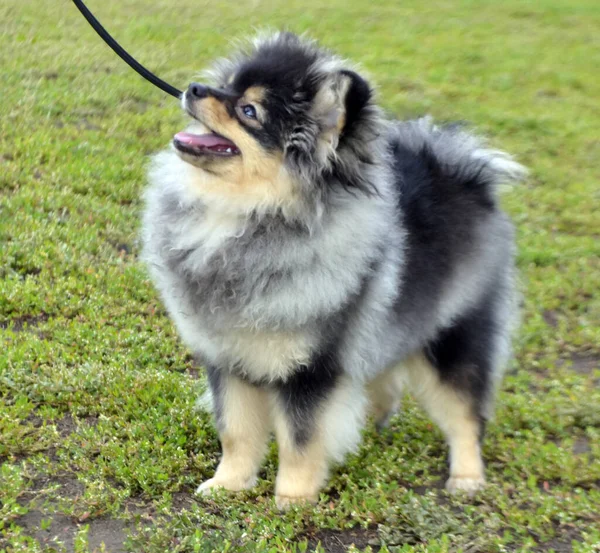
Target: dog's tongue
x=210, y=140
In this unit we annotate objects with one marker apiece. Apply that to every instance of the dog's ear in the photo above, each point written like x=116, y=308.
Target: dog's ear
x=338, y=104
x=358, y=97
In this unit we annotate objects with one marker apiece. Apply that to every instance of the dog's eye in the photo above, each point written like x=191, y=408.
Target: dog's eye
x=249, y=111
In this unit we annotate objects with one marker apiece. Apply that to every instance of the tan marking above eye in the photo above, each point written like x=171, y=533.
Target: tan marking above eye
x=254, y=95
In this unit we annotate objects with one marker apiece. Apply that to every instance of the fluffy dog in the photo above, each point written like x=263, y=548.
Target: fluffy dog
x=317, y=257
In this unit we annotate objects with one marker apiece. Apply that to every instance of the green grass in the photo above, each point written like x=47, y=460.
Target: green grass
x=100, y=442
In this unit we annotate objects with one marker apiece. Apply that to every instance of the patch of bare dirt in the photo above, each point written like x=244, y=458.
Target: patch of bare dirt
x=581, y=363
x=338, y=541
x=563, y=542
x=69, y=486
x=585, y=364
x=182, y=501
x=51, y=529
x=550, y=318
x=24, y=322
x=581, y=445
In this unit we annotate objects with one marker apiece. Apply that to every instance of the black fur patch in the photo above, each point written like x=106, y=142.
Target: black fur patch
x=462, y=353
x=358, y=96
x=281, y=68
x=215, y=381
x=310, y=385
x=441, y=208
x=303, y=392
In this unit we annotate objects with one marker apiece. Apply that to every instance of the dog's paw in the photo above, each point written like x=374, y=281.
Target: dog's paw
x=232, y=485
x=284, y=502
x=465, y=484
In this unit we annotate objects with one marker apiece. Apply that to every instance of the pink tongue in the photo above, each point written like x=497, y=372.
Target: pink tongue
x=203, y=140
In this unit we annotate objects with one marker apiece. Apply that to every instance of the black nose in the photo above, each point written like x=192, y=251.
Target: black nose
x=198, y=90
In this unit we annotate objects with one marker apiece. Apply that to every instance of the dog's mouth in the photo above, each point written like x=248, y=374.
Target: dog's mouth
x=205, y=144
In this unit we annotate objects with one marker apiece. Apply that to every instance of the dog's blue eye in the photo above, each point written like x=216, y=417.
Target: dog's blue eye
x=249, y=111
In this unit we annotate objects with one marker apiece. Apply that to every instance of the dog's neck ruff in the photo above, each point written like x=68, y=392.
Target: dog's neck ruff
x=123, y=54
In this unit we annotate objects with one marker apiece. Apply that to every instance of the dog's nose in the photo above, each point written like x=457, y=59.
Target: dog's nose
x=198, y=90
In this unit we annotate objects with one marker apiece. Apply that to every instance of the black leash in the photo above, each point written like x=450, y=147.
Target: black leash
x=122, y=53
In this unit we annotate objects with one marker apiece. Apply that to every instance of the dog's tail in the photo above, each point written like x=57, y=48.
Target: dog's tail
x=453, y=153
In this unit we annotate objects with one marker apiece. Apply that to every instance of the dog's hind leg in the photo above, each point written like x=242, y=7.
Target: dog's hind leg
x=385, y=393
x=454, y=413
x=455, y=378
x=317, y=415
x=243, y=422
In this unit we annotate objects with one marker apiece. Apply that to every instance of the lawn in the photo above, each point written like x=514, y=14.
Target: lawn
x=101, y=443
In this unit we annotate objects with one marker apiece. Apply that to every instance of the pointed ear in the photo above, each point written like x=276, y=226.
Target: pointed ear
x=358, y=96
x=338, y=103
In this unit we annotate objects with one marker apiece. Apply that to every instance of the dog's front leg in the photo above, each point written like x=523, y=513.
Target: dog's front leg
x=243, y=422
x=318, y=414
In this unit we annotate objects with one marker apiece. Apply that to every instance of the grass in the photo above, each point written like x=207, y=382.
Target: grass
x=101, y=446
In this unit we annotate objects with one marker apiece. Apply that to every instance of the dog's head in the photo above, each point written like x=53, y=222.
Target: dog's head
x=278, y=121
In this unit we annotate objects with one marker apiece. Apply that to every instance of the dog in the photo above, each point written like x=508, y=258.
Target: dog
x=318, y=257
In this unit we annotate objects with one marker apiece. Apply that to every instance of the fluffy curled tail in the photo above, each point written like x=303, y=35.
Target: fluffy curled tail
x=455, y=154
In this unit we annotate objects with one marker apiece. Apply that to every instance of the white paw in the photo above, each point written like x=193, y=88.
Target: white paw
x=284, y=502
x=231, y=484
x=208, y=486
x=466, y=484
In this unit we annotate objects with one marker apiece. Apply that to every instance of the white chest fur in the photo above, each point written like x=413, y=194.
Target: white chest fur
x=262, y=354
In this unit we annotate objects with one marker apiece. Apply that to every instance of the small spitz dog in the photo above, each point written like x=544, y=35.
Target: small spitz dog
x=317, y=256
